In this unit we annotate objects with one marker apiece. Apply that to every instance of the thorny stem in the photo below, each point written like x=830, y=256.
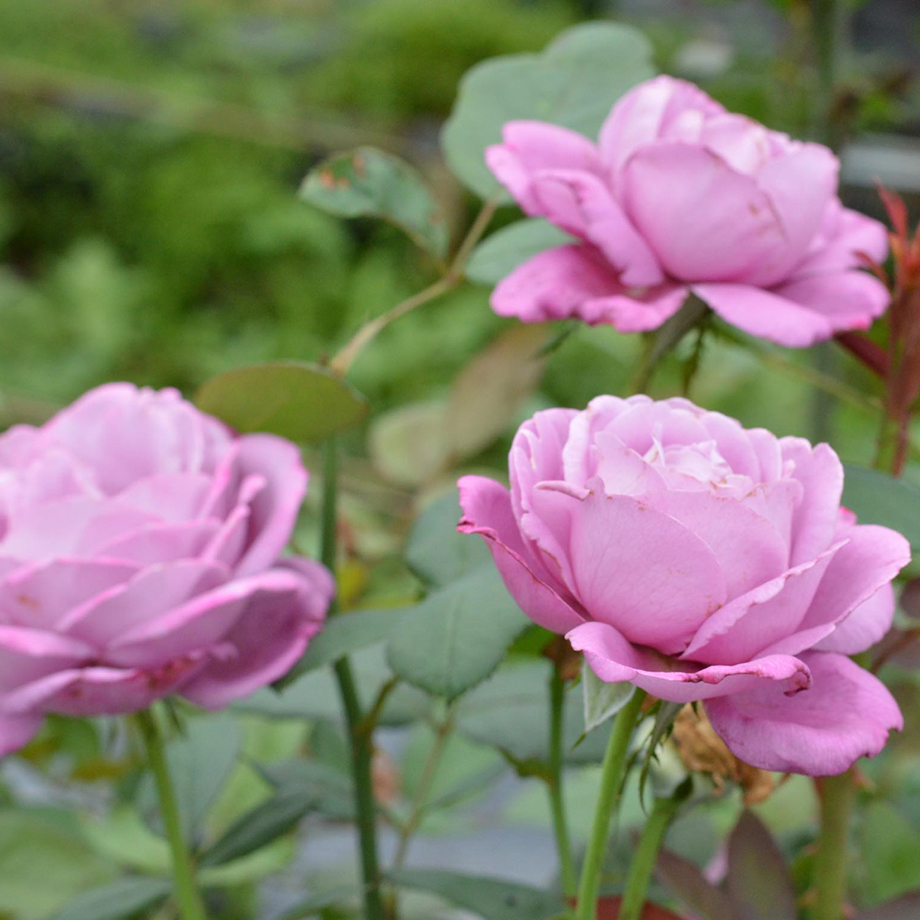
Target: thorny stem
x=342, y=362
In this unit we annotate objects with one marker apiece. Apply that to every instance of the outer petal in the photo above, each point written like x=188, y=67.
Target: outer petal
x=29, y=654
x=870, y=559
x=17, y=731
x=703, y=220
x=40, y=595
x=615, y=659
x=815, y=521
x=530, y=146
x=862, y=628
x=201, y=624
x=269, y=637
x=800, y=185
x=487, y=512
x=582, y=204
x=847, y=300
x=844, y=235
x=762, y=617
x=846, y=714
x=640, y=570
x=766, y=314
x=274, y=508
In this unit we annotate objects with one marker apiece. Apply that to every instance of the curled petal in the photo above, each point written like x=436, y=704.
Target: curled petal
x=846, y=714
x=487, y=512
x=614, y=659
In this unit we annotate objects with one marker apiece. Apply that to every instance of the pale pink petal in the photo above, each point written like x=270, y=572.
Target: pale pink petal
x=862, y=628
x=703, y=220
x=748, y=548
x=800, y=184
x=487, y=511
x=41, y=595
x=555, y=284
x=159, y=543
x=531, y=146
x=274, y=508
x=820, y=472
x=871, y=557
x=147, y=597
x=755, y=621
x=28, y=654
x=269, y=637
x=660, y=107
x=844, y=235
x=846, y=714
x=614, y=659
x=766, y=314
x=203, y=622
x=847, y=300
x=640, y=310
x=628, y=559
x=170, y=496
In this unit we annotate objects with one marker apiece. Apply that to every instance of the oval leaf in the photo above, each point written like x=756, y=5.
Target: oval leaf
x=299, y=401
x=370, y=183
x=758, y=880
x=877, y=498
x=502, y=252
x=573, y=83
x=457, y=636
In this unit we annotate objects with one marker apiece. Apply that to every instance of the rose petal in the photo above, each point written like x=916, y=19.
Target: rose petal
x=628, y=559
x=846, y=714
x=614, y=659
x=847, y=300
x=17, y=731
x=766, y=314
x=487, y=512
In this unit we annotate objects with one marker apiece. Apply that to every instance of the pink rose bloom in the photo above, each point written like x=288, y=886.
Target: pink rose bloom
x=699, y=560
x=139, y=556
x=679, y=196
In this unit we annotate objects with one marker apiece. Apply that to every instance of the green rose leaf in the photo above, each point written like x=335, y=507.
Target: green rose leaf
x=123, y=898
x=299, y=401
x=574, y=82
x=877, y=498
x=371, y=183
x=457, y=636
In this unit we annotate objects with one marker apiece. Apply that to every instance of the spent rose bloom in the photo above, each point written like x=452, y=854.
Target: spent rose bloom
x=679, y=196
x=139, y=556
x=701, y=561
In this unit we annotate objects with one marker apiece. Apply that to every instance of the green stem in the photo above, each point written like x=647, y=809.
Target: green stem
x=645, y=857
x=665, y=339
x=611, y=780
x=554, y=784
x=831, y=858
x=359, y=739
x=189, y=900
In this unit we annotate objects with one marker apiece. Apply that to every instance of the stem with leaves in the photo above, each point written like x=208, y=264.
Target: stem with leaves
x=452, y=277
x=188, y=899
x=359, y=737
x=612, y=772
x=831, y=859
x=567, y=873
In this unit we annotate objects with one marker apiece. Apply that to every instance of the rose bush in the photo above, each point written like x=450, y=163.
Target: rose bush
x=680, y=196
x=139, y=556
x=701, y=561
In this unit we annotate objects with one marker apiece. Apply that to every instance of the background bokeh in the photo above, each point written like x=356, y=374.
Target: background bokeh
x=150, y=155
